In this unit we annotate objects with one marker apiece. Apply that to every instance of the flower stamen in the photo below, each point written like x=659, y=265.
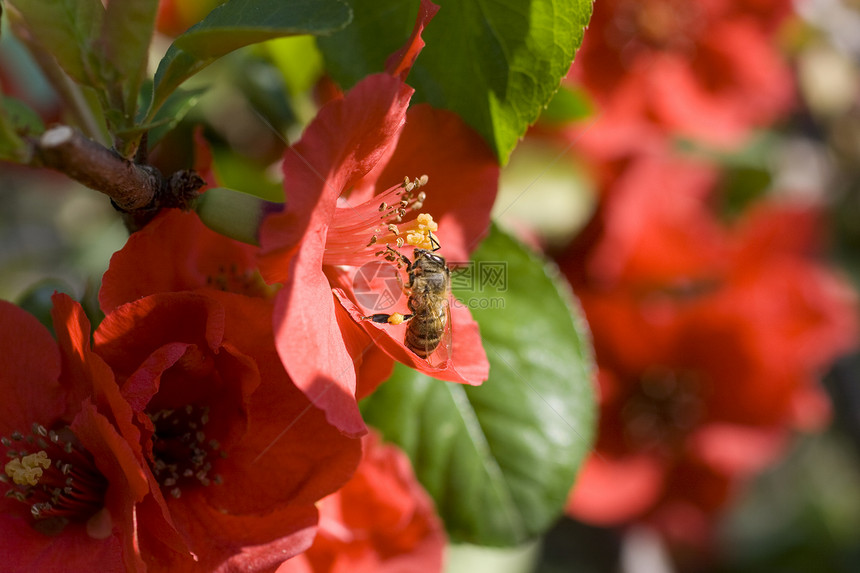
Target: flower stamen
x=183, y=454
x=59, y=480
x=28, y=469
x=347, y=242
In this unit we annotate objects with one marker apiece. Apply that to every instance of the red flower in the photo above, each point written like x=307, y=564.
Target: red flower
x=218, y=418
x=708, y=360
x=653, y=224
x=72, y=481
x=351, y=159
x=204, y=341
x=381, y=521
x=706, y=69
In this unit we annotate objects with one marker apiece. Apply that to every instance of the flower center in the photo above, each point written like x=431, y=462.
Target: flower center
x=664, y=408
x=383, y=216
x=182, y=453
x=54, y=475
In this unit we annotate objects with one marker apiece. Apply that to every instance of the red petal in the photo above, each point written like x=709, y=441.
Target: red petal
x=127, y=483
x=198, y=257
x=26, y=550
x=737, y=450
x=131, y=333
x=142, y=385
x=312, y=350
x=373, y=366
x=29, y=369
x=611, y=491
x=400, y=62
x=85, y=374
x=658, y=226
x=468, y=363
x=342, y=144
x=346, y=139
x=224, y=542
x=170, y=352
x=382, y=521
x=297, y=456
x=463, y=176
x=376, y=367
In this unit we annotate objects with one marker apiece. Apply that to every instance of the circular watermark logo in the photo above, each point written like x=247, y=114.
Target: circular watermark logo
x=377, y=286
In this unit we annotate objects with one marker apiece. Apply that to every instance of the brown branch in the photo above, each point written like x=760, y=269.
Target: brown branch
x=130, y=185
x=138, y=190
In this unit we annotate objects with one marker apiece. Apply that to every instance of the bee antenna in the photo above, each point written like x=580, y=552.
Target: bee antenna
x=434, y=242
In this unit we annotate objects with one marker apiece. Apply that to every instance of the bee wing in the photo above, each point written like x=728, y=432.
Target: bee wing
x=444, y=352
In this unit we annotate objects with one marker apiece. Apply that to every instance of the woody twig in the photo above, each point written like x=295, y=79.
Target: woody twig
x=137, y=189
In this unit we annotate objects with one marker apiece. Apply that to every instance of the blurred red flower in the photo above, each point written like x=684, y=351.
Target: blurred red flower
x=345, y=200
x=706, y=69
x=708, y=357
x=653, y=224
x=72, y=481
x=381, y=521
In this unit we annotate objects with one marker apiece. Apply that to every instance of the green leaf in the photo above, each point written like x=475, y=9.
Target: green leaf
x=239, y=23
x=125, y=37
x=236, y=172
x=233, y=213
x=464, y=558
x=172, y=112
x=378, y=30
x=12, y=147
x=17, y=119
x=298, y=60
x=500, y=459
x=496, y=63
x=23, y=118
x=66, y=29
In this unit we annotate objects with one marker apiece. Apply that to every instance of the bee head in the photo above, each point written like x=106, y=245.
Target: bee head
x=428, y=255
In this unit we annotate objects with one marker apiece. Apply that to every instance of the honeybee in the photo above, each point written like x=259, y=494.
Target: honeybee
x=429, y=290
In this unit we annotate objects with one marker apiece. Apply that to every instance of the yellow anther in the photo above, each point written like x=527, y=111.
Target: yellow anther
x=395, y=318
x=420, y=232
x=418, y=240
x=28, y=469
x=425, y=220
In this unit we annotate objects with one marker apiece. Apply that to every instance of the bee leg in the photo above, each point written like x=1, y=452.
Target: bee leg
x=402, y=257
x=405, y=288
x=395, y=318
